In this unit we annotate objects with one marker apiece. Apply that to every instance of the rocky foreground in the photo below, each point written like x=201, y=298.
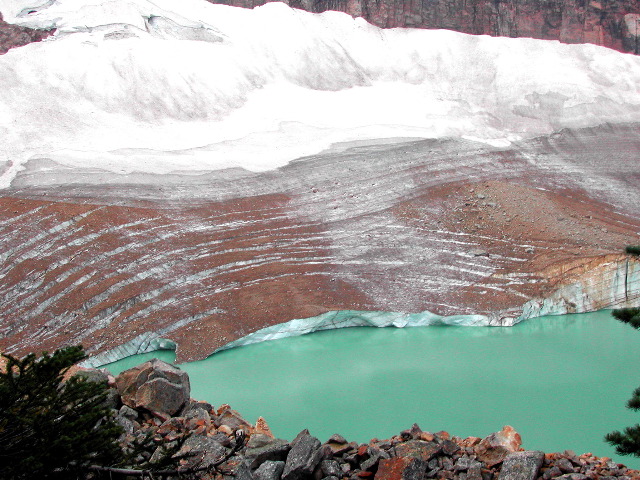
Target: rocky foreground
x=153, y=398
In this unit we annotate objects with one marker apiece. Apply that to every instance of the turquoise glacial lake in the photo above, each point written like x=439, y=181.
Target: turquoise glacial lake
x=561, y=381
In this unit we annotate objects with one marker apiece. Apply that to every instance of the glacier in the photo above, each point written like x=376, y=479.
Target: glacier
x=190, y=87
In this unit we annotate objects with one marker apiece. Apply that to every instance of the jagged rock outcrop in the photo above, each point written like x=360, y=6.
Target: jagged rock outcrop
x=12, y=36
x=155, y=386
x=610, y=23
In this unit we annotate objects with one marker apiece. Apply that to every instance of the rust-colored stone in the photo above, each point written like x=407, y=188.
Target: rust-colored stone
x=494, y=448
x=262, y=427
x=401, y=468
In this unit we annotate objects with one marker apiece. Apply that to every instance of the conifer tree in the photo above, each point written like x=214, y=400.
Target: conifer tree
x=51, y=428
x=627, y=442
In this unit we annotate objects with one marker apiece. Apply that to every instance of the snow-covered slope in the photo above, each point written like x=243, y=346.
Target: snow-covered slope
x=187, y=86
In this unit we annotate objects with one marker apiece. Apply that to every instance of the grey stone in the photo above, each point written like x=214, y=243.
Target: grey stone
x=222, y=439
x=465, y=463
x=128, y=413
x=194, y=405
x=125, y=423
x=449, y=447
x=522, y=466
x=330, y=468
x=112, y=399
x=565, y=465
x=552, y=473
x=303, y=458
x=95, y=376
x=276, y=450
x=202, y=451
x=447, y=464
x=475, y=472
x=370, y=463
x=269, y=470
x=576, y=476
x=196, y=413
x=335, y=438
x=331, y=477
x=243, y=472
x=258, y=440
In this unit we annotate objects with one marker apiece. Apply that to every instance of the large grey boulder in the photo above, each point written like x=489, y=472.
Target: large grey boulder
x=269, y=470
x=202, y=451
x=521, y=465
x=304, y=457
x=155, y=386
x=275, y=450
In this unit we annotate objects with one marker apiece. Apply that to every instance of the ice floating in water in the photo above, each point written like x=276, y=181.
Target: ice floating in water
x=191, y=86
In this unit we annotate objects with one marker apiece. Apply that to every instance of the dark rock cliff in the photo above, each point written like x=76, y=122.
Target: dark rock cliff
x=611, y=23
x=14, y=36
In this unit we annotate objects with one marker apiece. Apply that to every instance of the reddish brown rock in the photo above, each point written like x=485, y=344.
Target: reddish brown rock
x=155, y=386
x=232, y=419
x=262, y=427
x=12, y=36
x=418, y=449
x=494, y=448
x=401, y=468
x=611, y=24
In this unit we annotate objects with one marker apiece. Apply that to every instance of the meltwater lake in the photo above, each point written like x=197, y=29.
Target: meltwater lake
x=561, y=381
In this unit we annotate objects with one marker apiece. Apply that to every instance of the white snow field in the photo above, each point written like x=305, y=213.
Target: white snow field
x=186, y=86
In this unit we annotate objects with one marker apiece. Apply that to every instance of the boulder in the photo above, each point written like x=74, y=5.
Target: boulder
x=202, y=451
x=494, y=448
x=232, y=419
x=330, y=468
x=522, y=466
x=303, y=458
x=275, y=450
x=401, y=468
x=269, y=470
x=465, y=463
x=156, y=386
x=418, y=449
x=258, y=440
x=243, y=472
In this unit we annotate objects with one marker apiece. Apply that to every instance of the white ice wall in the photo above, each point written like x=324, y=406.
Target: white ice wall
x=188, y=86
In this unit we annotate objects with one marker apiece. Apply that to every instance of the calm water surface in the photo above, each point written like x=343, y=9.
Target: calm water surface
x=562, y=382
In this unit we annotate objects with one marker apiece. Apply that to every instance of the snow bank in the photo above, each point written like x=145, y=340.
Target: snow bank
x=188, y=86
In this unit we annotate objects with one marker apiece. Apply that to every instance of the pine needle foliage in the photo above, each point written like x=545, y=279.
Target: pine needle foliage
x=630, y=316
x=627, y=442
x=51, y=428
x=633, y=249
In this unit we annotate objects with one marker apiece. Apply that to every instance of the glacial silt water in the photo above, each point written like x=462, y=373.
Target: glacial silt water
x=561, y=382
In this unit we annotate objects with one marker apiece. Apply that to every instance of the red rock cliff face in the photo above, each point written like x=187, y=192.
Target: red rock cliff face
x=14, y=36
x=611, y=23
